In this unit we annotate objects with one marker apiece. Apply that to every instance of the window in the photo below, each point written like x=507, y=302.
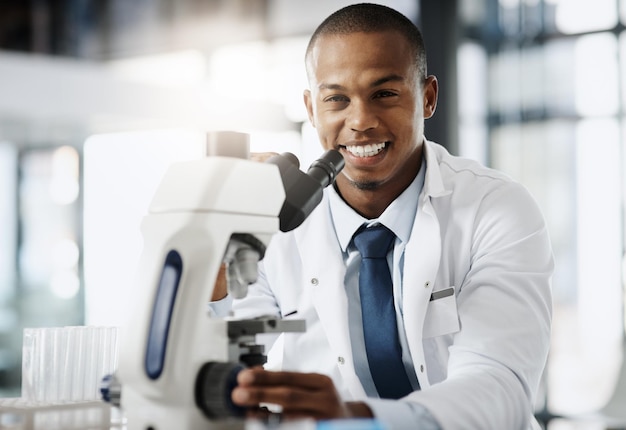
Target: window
x=556, y=91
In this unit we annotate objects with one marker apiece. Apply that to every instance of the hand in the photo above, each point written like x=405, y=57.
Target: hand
x=301, y=395
x=220, y=290
x=261, y=156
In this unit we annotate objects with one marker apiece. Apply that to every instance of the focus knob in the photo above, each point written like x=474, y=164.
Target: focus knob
x=214, y=384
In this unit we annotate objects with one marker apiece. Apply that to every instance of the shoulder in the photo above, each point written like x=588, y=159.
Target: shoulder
x=487, y=191
x=458, y=174
x=453, y=167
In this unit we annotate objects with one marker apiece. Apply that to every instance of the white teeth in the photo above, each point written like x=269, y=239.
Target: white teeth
x=366, y=150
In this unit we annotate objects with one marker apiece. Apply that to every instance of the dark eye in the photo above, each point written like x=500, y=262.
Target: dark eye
x=336, y=99
x=384, y=93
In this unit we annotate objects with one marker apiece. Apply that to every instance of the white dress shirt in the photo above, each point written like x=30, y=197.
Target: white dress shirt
x=397, y=217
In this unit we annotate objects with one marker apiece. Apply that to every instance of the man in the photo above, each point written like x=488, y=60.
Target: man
x=470, y=257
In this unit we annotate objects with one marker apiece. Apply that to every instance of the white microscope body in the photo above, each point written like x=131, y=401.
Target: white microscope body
x=177, y=364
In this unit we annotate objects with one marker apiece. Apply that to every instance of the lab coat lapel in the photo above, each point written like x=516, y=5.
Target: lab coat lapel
x=420, y=269
x=323, y=267
x=421, y=263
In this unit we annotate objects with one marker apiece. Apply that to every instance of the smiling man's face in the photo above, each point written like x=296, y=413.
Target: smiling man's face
x=367, y=101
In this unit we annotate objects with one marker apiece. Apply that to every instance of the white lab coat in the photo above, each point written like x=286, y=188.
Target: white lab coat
x=479, y=353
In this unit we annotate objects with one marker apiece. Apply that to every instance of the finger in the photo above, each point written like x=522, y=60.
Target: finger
x=261, y=156
x=261, y=377
x=253, y=396
x=293, y=401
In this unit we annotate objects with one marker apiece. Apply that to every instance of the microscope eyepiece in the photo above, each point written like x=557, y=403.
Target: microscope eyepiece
x=326, y=168
x=304, y=190
x=288, y=156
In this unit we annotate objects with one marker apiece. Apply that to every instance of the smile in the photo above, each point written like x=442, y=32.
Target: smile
x=366, y=150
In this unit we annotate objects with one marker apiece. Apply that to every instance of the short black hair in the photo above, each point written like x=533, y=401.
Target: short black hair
x=371, y=18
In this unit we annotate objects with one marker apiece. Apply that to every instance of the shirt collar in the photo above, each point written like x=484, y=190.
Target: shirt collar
x=398, y=217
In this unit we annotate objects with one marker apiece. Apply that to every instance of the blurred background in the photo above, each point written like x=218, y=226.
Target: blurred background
x=536, y=88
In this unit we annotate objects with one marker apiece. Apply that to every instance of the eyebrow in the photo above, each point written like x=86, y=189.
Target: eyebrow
x=377, y=82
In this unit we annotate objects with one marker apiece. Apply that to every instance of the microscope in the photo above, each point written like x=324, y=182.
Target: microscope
x=177, y=364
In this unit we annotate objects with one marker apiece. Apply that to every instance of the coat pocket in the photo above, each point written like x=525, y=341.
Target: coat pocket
x=441, y=315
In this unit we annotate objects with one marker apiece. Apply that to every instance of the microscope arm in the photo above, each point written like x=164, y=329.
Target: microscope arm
x=175, y=360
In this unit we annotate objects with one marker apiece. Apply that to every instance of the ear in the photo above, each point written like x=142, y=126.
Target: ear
x=308, y=102
x=431, y=90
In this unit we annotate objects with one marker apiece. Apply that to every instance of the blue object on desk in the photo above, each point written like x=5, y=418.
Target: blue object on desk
x=351, y=424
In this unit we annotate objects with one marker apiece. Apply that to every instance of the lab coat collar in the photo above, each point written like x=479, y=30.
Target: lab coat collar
x=433, y=184
x=345, y=219
x=398, y=217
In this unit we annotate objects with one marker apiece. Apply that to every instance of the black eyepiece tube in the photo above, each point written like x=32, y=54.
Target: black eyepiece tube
x=326, y=168
x=288, y=156
x=304, y=190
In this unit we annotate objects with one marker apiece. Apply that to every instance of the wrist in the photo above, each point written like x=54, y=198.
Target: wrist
x=359, y=410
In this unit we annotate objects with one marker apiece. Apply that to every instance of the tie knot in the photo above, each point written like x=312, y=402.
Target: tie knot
x=374, y=242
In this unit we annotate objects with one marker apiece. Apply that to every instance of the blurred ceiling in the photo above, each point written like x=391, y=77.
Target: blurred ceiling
x=65, y=64
x=113, y=29
x=109, y=29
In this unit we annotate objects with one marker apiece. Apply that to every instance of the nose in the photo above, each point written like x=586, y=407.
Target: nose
x=361, y=117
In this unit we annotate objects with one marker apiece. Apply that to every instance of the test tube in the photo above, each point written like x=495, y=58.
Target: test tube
x=65, y=364
x=78, y=370
x=112, y=350
x=92, y=350
x=104, y=356
x=29, y=363
x=49, y=364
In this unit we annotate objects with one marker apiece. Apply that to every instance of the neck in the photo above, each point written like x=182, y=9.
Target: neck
x=371, y=202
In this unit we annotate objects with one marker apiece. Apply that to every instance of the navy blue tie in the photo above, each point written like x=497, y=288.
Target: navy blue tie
x=384, y=353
